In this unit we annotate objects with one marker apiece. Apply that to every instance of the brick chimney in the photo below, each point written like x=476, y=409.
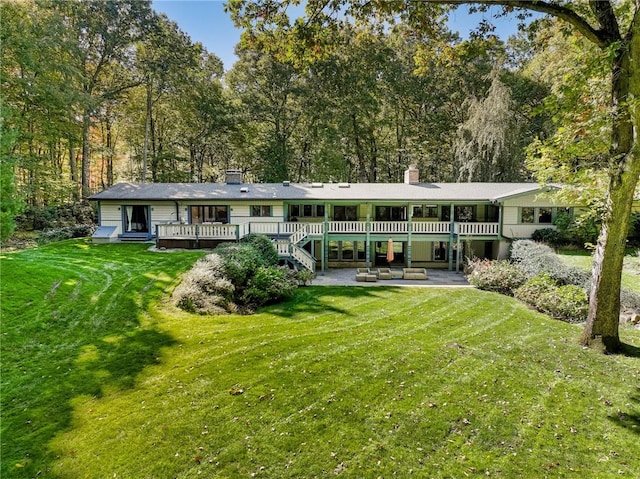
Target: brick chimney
x=234, y=177
x=412, y=175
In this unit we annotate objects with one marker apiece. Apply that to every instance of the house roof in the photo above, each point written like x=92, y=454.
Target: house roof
x=423, y=192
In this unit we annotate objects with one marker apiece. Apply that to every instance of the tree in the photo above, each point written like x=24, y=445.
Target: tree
x=102, y=35
x=268, y=90
x=10, y=202
x=488, y=141
x=615, y=31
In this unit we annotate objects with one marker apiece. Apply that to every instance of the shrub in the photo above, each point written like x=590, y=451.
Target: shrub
x=580, y=230
x=546, y=235
x=536, y=258
x=241, y=261
x=264, y=246
x=499, y=276
x=270, y=284
x=204, y=289
x=54, y=217
x=566, y=302
x=66, y=232
x=304, y=276
x=629, y=301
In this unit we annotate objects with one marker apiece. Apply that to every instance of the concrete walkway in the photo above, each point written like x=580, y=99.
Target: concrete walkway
x=347, y=277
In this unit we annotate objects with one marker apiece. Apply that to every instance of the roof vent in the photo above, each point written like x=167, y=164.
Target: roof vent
x=244, y=189
x=286, y=183
x=344, y=185
x=317, y=185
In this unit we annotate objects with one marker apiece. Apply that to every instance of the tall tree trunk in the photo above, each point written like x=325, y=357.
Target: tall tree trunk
x=73, y=168
x=604, y=301
x=147, y=128
x=86, y=126
x=109, y=154
x=362, y=167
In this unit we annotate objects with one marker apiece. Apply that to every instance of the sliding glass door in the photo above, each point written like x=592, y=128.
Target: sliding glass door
x=136, y=219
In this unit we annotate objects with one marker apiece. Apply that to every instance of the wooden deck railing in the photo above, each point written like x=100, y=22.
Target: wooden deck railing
x=297, y=232
x=477, y=229
x=199, y=231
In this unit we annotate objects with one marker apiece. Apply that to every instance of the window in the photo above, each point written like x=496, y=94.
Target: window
x=425, y=211
x=345, y=213
x=347, y=250
x=543, y=215
x=527, y=215
x=209, y=214
x=261, y=210
x=440, y=251
x=391, y=213
x=464, y=213
x=307, y=211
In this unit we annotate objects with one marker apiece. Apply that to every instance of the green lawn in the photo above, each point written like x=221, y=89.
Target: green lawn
x=101, y=377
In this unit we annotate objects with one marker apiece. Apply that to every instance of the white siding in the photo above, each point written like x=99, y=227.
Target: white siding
x=511, y=226
x=241, y=213
x=161, y=213
x=110, y=215
x=539, y=199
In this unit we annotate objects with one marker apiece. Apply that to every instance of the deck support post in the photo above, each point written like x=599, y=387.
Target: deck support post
x=367, y=247
x=452, y=211
x=409, y=228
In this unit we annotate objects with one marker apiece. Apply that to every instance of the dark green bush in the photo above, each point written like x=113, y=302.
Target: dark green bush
x=566, y=302
x=499, y=276
x=240, y=261
x=580, y=230
x=270, y=284
x=547, y=235
x=264, y=246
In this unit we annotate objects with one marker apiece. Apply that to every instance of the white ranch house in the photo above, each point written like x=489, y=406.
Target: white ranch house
x=333, y=225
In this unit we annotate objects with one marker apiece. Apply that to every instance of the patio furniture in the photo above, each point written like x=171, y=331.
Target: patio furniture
x=366, y=275
x=397, y=274
x=384, y=273
x=414, y=273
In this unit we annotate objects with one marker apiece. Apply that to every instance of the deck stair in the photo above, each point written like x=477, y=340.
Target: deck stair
x=296, y=255
x=135, y=237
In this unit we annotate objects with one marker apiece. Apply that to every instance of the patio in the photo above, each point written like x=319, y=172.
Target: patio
x=347, y=277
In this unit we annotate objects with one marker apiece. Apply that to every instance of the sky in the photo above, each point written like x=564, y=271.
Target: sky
x=206, y=22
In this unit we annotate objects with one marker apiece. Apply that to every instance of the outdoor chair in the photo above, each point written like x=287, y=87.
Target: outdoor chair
x=384, y=273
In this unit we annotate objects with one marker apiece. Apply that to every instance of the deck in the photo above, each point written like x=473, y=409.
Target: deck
x=295, y=231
